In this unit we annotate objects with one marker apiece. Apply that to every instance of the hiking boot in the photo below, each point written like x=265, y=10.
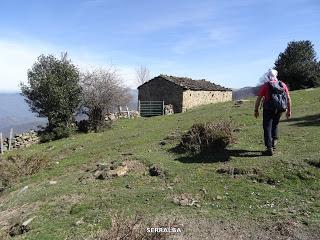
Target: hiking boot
x=268, y=152
x=274, y=143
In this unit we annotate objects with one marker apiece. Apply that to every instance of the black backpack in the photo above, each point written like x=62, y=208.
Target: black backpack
x=278, y=100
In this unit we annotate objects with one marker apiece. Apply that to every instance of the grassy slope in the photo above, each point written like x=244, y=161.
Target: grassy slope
x=296, y=194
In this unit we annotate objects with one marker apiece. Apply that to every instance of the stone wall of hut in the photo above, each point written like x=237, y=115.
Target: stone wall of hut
x=197, y=98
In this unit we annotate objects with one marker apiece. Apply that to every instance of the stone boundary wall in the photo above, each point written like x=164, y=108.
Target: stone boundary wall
x=122, y=114
x=197, y=98
x=21, y=140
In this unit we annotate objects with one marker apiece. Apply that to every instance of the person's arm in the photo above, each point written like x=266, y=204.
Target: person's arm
x=256, y=106
x=288, y=114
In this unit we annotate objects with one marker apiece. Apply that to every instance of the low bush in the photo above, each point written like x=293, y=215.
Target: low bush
x=85, y=126
x=207, y=137
x=59, y=131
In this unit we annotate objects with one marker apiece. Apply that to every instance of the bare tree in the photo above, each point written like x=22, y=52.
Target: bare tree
x=142, y=74
x=102, y=91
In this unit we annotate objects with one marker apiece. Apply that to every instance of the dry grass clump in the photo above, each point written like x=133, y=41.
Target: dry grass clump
x=208, y=137
x=16, y=166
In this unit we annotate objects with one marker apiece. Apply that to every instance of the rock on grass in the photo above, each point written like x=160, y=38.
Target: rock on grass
x=156, y=171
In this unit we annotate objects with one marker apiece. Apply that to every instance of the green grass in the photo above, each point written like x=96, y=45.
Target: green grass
x=294, y=192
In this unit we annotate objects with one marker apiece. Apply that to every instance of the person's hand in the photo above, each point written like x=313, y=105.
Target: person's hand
x=288, y=114
x=256, y=113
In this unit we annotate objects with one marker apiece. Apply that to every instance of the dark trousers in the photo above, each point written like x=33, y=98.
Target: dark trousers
x=270, y=126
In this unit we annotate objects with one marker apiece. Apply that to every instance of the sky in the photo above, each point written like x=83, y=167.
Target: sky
x=231, y=43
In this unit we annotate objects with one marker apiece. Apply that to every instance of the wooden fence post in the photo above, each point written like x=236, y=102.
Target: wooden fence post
x=10, y=139
x=163, y=108
x=1, y=143
x=128, y=112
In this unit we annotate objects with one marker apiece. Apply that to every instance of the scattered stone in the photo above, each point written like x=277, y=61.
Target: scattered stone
x=219, y=197
x=79, y=222
x=102, y=166
x=168, y=109
x=204, y=191
x=119, y=171
x=105, y=171
x=83, y=179
x=19, y=229
x=128, y=186
x=114, y=165
x=53, y=182
x=24, y=189
x=2, y=189
x=185, y=199
x=156, y=171
x=25, y=223
x=162, y=143
x=100, y=174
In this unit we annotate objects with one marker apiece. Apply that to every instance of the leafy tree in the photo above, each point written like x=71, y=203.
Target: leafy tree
x=298, y=65
x=53, y=92
x=102, y=92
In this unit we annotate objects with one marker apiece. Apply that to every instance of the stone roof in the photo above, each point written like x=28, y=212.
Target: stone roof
x=190, y=84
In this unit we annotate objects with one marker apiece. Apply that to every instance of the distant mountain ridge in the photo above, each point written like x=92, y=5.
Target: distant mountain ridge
x=244, y=92
x=14, y=113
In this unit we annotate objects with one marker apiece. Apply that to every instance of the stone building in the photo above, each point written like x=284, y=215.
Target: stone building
x=183, y=93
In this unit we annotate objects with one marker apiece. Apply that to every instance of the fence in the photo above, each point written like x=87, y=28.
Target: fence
x=9, y=142
x=151, y=108
x=17, y=141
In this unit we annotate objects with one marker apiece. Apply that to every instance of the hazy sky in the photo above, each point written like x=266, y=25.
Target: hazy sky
x=231, y=43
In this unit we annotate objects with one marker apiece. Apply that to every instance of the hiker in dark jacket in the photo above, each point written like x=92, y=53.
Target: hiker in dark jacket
x=276, y=99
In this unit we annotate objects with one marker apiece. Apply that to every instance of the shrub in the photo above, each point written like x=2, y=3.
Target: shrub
x=54, y=133
x=85, y=126
x=207, y=137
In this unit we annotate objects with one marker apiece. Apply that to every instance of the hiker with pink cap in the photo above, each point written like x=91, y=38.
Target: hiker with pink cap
x=276, y=100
